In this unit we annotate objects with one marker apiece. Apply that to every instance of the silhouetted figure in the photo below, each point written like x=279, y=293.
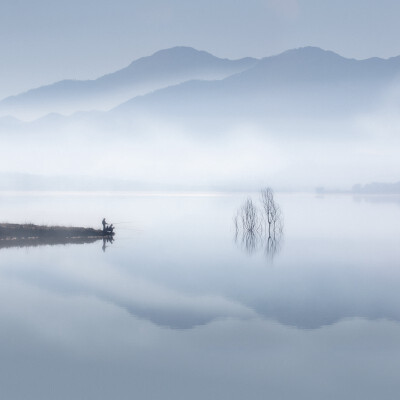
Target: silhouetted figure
x=104, y=224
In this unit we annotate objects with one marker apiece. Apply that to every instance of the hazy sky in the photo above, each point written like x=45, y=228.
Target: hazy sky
x=43, y=41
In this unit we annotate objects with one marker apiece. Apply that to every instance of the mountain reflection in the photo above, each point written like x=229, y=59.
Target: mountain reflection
x=176, y=310
x=300, y=300
x=177, y=277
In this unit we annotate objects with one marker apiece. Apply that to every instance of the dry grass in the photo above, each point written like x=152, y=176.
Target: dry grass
x=31, y=231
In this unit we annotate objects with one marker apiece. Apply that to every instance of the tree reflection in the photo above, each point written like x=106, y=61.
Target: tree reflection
x=272, y=247
x=250, y=242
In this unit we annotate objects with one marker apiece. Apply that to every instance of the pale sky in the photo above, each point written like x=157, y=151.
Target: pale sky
x=44, y=41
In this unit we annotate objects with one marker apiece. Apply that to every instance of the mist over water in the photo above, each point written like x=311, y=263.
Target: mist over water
x=303, y=119
x=246, y=158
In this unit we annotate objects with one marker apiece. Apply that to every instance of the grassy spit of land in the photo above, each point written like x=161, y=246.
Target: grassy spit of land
x=31, y=231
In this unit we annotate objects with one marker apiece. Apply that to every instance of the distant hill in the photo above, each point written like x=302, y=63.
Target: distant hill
x=307, y=83
x=188, y=86
x=312, y=65
x=377, y=188
x=162, y=69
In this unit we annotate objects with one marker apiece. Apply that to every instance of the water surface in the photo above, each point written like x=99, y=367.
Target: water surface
x=176, y=308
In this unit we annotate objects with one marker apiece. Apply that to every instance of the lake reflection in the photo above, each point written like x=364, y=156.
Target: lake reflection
x=175, y=309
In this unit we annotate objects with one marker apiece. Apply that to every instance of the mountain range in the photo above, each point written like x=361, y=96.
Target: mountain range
x=162, y=69
x=186, y=117
x=307, y=82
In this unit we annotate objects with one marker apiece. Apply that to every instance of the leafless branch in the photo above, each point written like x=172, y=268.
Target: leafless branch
x=262, y=226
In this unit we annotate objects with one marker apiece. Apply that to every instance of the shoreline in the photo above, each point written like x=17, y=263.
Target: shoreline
x=34, y=232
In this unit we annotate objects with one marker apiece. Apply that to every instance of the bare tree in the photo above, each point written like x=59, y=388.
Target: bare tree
x=248, y=222
x=249, y=217
x=260, y=227
x=272, y=213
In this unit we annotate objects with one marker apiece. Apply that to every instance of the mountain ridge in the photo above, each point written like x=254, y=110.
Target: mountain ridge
x=161, y=69
x=302, y=83
x=305, y=79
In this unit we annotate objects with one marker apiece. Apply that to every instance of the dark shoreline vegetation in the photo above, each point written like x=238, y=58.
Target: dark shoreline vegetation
x=21, y=235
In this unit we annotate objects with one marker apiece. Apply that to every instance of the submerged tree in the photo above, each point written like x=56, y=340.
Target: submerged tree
x=248, y=223
x=272, y=213
x=249, y=216
x=260, y=226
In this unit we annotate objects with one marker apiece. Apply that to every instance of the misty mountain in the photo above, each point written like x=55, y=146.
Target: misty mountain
x=162, y=69
x=303, y=83
x=312, y=65
x=274, y=121
x=185, y=84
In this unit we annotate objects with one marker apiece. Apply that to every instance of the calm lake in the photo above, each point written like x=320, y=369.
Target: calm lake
x=177, y=307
